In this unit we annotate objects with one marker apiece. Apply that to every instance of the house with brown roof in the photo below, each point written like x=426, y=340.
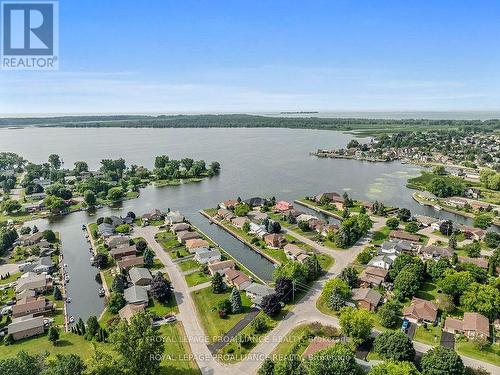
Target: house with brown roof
x=180, y=227
x=123, y=251
x=295, y=253
x=332, y=197
x=129, y=310
x=372, y=277
x=316, y=344
x=274, y=240
x=130, y=261
x=366, y=298
x=221, y=267
x=435, y=252
x=480, y=262
x=155, y=215
x=225, y=214
x=31, y=306
x=38, y=283
x=26, y=326
x=239, y=222
x=196, y=243
x=183, y=236
x=420, y=311
x=473, y=325
x=237, y=279
x=229, y=204
x=402, y=235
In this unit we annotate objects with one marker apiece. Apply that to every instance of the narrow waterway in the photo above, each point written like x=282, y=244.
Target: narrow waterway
x=255, y=162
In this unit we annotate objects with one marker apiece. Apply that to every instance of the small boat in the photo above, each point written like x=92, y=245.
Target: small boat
x=437, y=208
x=66, y=278
x=71, y=319
x=101, y=292
x=68, y=300
x=84, y=227
x=65, y=265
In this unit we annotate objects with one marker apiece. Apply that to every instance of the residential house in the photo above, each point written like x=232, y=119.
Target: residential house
x=185, y=235
x=402, y=235
x=332, y=197
x=435, y=252
x=206, y=256
x=173, y=217
x=26, y=326
x=155, y=215
x=130, y=261
x=31, y=306
x=295, y=253
x=420, y=311
x=140, y=276
x=397, y=247
x=372, y=276
x=382, y=261
x=106, y=230
x=283, y=206
x=305, y=217
x=480, y=262
x=237, y=279
x=30, y=239
x=116, y=220
x=25, y=294
x=123, y=251
x=326, y=229
x=115, y=241
x=366, y=298
x=472, y=233
x=473, y=193
x=180, y=227
x=437, y=225
x=136, y=295
x=43, y=265
x=195, y=244
x=257, y=216
x=455, y=202
x=256, y=292
x=255, y=202
x=473, y=325
x=221, y=267
x=38, y=283
x=229, y=204
x=274, y=240
x=128, y=311
x=239, y=222
x=426, y=221
x=259, y=230
x=225, y=214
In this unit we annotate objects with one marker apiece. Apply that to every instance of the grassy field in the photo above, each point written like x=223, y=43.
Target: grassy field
x=11, y=278
x=489, y=354
x=162, y=309
x=430, y=335
x=427, y=291
x=178, y=355
x=289, y=342
x=188, y=264
x=196, y=278
x=380, y=236
x=206, y=303
x=168, y=242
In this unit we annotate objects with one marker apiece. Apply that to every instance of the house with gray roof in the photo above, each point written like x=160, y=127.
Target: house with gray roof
x=205, y=256
x=43, y=264
x=173, y=217
x=106, y=230
x=136, y=295
x=26, y=326
x=256, y=292
x=140, y=276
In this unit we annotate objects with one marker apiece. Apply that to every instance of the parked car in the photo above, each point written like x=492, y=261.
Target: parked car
x=405, y=325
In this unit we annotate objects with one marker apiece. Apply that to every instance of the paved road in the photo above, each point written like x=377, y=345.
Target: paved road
x=304, y=312
x=8, y=268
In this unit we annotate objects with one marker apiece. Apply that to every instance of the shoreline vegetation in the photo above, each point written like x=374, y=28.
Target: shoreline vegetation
x=361, y=126
x=31, y=191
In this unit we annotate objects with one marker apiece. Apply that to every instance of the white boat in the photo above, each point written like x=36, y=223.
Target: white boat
x=66, y=278
x=68, y=300
x=437, y=208
x=65, y=265
x=71, y=319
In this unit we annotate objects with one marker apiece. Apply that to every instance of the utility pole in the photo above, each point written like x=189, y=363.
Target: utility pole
x=293, y=290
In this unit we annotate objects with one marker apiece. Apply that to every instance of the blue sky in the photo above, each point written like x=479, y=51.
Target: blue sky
x=121, y=56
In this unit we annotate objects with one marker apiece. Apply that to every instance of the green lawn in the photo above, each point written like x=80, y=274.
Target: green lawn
x=380, y=236
x=489, y=354
x=11, y=278
x=188, y=264
x=430, y=335
x=428, y=291
x=296, y=335
x=178, y=356
x=168, y=242
x=162, y=309
x=206, y=303
x=196, y=278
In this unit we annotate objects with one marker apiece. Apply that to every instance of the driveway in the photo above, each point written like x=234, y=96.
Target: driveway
x=8, y=268
x=411, y=331
x=447, y=340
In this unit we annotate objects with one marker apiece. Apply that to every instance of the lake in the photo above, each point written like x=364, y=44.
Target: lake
x=255, y=162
